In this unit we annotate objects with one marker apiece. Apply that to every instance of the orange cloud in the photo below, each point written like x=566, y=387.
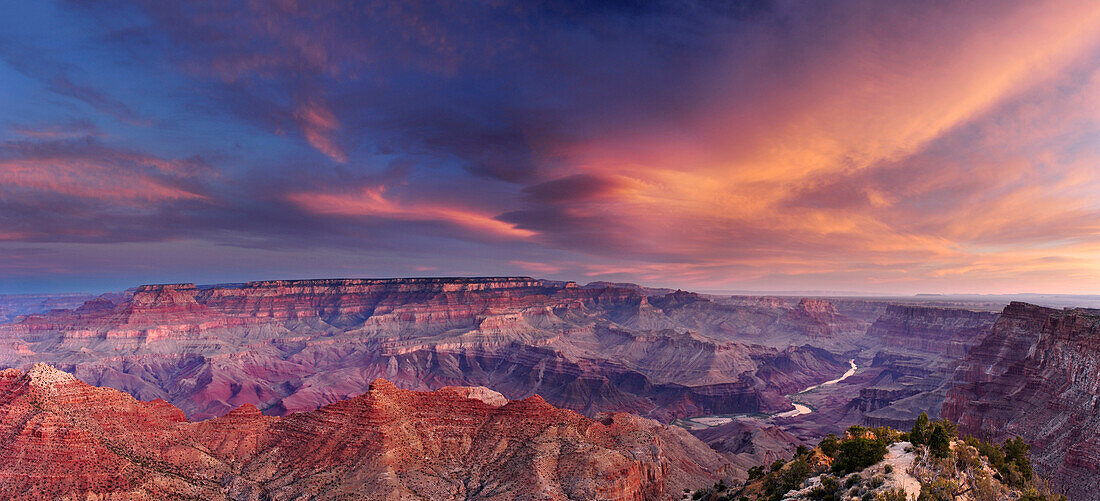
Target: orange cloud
x=372, y=202
x=835, y=171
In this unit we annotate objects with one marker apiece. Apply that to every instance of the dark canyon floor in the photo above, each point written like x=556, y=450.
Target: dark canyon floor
x=729, y=371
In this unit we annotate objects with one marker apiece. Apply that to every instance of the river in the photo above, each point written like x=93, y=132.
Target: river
x=800, y=408
x=702, y=422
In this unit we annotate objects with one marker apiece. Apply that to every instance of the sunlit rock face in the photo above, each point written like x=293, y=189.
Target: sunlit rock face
x=295, y=345
x=69, y=440
x=1038, y=376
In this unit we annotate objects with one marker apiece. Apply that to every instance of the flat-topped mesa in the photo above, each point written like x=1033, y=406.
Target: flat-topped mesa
x=164, y=295
x=429, y=284
x=346, y=302
x=294, y=345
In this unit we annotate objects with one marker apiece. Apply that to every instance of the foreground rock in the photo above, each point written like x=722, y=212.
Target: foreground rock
x=1038, y=376
x=63, y=439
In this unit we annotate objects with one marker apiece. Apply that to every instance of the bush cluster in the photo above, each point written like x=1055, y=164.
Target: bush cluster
x=943, y=470
x=862, y=448
x=936, y=435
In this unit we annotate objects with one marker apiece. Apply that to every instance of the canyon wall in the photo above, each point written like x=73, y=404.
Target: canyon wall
x=1037, y=375
x=916, y=348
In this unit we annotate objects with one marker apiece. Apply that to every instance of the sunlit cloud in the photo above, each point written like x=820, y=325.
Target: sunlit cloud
x=319, y=125
x=372, y=202
x=87, y=169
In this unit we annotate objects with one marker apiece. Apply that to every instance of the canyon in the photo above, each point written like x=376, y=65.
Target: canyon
x=731, y=370
x=289, y=346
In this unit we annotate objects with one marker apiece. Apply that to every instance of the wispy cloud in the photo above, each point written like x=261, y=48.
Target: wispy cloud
x=372, y=202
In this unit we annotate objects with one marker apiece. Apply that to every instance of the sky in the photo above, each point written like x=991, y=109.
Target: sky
x=891, y=147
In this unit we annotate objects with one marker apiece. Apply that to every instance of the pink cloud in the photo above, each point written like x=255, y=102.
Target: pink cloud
x=91, y=178
x=836, y=170
x=373, y=202
x=319, y=125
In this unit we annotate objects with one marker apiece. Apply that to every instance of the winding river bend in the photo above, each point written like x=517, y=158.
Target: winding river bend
x=801, y=408
x=700, y=422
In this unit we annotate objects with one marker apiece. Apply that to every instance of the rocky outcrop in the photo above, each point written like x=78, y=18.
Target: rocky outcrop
x=63, y=439
x=295, y=345
x=1037, y=375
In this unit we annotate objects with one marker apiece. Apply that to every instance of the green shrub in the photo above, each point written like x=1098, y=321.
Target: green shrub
x=775, y=486
x=827, y=491
x=1017, y=451
x=993, y=454
x=921, y=430
x=949, y=427
x=858, y=453
x=939, y=441
x=939, y=490
x=829, y=445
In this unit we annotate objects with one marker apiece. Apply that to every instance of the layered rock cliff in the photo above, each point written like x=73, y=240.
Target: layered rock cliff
x=1037, y=375
x=295, y=345
x=917, y=348
x=63, y=439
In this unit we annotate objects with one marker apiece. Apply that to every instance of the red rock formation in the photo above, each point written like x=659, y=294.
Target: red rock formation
x=1036, y=375
x=289, y=346
x=63, y=439
x=819, y=319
